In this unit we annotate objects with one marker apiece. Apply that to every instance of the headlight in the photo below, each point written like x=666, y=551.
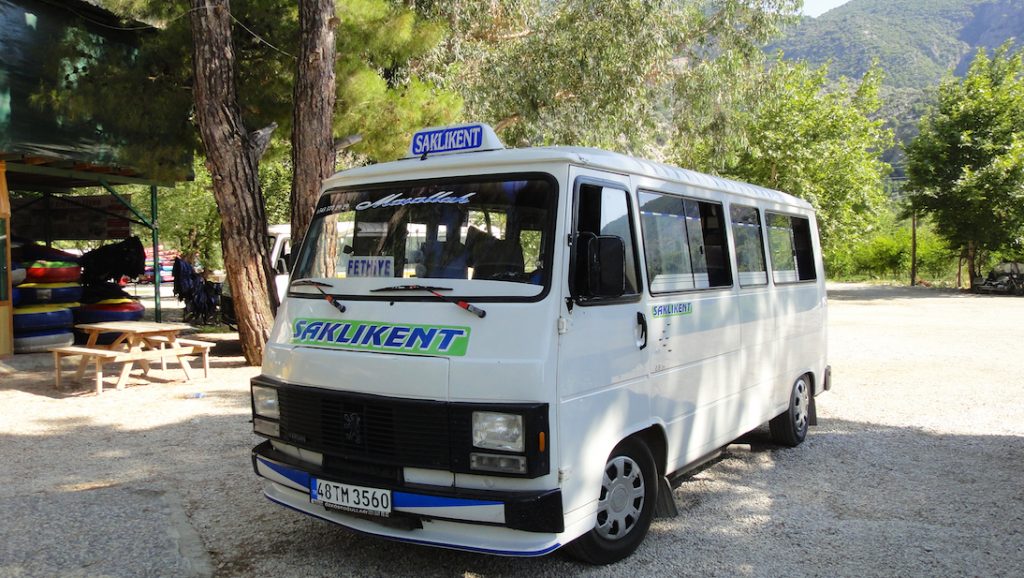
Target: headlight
x=264, y=402
x=498, y=431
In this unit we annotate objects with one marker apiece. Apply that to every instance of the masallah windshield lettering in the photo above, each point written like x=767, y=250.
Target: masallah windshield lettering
x=374, y=336
x=397, y=200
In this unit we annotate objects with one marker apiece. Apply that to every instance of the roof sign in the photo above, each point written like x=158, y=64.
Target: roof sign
x=454, y=139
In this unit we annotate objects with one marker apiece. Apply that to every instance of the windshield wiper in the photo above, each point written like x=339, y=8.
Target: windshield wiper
x=309, y=282
x=319, y=286
x=434, y=291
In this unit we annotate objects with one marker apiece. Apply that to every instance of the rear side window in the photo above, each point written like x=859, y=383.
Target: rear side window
x=684, y=243
x=792, y=252
x=746, y=232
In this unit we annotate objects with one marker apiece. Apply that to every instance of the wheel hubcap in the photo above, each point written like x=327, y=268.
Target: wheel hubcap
x=801, y=401
x=622, y=498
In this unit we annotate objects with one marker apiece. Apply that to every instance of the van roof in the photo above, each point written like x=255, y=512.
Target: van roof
x=582, y=156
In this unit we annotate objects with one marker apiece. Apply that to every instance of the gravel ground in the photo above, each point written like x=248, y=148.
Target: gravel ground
x=915, y=469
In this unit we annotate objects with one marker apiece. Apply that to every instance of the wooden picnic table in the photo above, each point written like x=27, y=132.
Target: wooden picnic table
x=137, y=342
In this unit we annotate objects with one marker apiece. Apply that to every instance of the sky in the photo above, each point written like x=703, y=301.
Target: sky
x=819, y=7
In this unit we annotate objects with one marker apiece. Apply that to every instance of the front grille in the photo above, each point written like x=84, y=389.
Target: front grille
x=364, y=427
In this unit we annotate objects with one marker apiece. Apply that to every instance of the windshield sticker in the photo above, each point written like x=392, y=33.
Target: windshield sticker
x=331, y=209
x=370, y=267
x=671, y=310
x=397, y=200
x=385, y=337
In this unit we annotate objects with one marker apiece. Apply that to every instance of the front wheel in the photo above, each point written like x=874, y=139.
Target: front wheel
x=789, y=428
x=625, y=508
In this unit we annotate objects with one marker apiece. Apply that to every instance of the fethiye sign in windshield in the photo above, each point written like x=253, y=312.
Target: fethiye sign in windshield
x=454, y=139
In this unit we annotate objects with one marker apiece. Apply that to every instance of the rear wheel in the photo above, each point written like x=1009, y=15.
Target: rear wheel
x=624, y=510
x=789, y=428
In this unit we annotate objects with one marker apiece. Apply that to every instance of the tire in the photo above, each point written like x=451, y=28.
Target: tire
x=789, y=428
x=629, y=492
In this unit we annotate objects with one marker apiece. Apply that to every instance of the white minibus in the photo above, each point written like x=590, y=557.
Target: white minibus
x=513, y=350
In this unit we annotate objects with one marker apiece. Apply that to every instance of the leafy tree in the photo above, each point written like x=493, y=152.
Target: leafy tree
x=378, y=96
x=820, y=144
x=601, y=72
x=966, y=166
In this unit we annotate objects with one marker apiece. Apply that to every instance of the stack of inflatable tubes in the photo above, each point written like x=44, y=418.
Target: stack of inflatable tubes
x=33, y=293
x=52, y=272
x=107, y=310
x=40, y=327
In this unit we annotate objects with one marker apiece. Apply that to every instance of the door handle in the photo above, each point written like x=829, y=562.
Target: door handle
x=641, y=320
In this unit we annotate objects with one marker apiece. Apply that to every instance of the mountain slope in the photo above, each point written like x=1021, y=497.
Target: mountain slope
x=915, y=41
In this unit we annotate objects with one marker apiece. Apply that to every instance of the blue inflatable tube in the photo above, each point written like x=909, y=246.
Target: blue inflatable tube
x=50, y=292
x=39, y=317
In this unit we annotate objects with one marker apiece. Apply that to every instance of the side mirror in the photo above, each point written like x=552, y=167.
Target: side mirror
x=606, y=266
x=284, y=264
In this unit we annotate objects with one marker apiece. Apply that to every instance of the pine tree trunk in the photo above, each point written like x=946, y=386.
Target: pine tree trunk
x=972, y=258
x=233, y=158
x=313, y=153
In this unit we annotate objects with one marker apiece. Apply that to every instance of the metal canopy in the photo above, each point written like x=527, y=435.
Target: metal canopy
x=51, y=177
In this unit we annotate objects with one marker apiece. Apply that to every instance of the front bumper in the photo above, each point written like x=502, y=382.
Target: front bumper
x=495, y=522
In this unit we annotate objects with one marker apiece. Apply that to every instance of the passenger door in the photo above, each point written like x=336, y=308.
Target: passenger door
x=602, y=354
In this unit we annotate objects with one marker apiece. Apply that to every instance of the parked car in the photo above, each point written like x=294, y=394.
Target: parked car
x=1007, y=278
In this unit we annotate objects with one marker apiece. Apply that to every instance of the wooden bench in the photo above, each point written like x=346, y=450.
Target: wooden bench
x=159, y=352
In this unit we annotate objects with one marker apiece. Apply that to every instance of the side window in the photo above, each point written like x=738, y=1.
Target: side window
x=789, y=240
x=746, y=232
x=684, y=243
x=603, y=210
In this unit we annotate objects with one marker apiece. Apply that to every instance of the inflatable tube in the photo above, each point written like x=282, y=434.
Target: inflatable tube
x=52, y=272
x=18, y=275
x=51, y=292
x=100, y=312
x=39, y=317
x=40, y=341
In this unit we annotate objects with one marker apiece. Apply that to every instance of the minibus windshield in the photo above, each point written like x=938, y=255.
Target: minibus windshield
x=493, y=229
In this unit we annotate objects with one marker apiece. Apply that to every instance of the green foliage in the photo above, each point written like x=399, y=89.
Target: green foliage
x=820, y=145
x=189, y=220
x=966, y=166
x=884, y=252
x=720, y=77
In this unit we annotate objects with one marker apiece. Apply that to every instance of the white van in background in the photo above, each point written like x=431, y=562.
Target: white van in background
x=524, y=348
x=279, y=241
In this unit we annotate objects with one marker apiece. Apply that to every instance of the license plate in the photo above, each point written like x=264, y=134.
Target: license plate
x=372, y=501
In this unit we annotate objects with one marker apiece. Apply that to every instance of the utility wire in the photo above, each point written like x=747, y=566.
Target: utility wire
x=173, y=19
